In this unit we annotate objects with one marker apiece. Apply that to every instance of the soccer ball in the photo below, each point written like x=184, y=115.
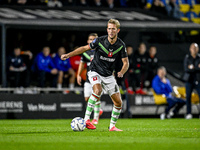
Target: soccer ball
x=78, y=124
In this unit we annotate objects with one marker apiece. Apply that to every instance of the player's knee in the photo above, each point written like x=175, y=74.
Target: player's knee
x=119, y=103
x=98, y=91
x=117, y=100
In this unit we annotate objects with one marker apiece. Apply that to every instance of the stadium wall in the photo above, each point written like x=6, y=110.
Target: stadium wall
x=47, y=106
x=63, y=106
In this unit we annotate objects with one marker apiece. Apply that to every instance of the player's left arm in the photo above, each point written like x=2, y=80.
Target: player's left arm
x=124, y=67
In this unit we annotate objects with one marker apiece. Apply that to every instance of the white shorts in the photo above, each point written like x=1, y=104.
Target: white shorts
x=108, y=84
x=87, y=89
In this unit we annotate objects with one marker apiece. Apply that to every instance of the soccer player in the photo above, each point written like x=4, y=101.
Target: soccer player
x=108, y=50
x=87, y=58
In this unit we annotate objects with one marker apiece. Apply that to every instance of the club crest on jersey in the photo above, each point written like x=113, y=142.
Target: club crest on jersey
x=94, y=78
x=110, y=54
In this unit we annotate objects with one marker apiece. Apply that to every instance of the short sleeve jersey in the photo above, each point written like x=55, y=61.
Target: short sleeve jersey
x=106, y=55
x=87, y=58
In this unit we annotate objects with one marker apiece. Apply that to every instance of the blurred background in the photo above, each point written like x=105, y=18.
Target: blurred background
x=156, y=33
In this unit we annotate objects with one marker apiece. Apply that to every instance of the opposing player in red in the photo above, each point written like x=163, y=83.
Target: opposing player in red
x=108, y=50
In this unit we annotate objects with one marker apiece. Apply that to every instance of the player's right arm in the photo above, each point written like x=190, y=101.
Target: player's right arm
x=77, y=51
x=80, y=69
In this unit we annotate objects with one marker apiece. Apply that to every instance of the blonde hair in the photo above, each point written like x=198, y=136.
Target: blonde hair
x=114, y=21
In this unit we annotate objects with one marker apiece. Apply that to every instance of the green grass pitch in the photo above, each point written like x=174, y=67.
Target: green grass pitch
x=172, y=134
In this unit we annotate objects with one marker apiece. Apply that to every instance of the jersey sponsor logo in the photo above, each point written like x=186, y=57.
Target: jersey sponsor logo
x=94, y=78
x=107, y=59
x=110, y=54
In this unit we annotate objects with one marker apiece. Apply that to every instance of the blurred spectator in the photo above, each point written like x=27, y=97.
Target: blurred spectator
x=64, y=69
x=45, y=68
x=17, y=69
x=159, y=7
x=152, y=61
x=23, y=2
x=191, y=15
x=162, y=85
x=192, y=75
x=130, y=55
x=59, y=3
x=193, y=2
x=173, y=9
x=54, y=3
x=14, y=2
x=97, y=3
x=178, y=2
x=129, y=81
x=110, y=3
x=27, y=57
x=124, y=3
x=83, y=3
x=139, y=68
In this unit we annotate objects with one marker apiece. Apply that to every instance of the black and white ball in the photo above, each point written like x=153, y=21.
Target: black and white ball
x=78, y=124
